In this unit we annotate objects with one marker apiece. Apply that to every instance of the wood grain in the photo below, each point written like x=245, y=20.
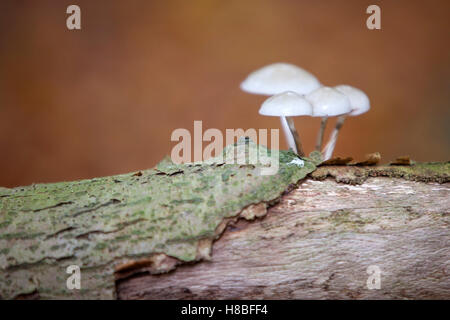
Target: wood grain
x=318, y=242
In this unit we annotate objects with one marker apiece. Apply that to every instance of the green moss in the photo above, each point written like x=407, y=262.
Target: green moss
x=348, y=219
x=20, y=235
x=164, y=210
x=101, y=246
x=4, y=224
x=423, y=172
x=33, y=248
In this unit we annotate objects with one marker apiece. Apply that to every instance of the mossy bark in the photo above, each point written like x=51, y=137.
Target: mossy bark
x=424, y=172
x=150, y=220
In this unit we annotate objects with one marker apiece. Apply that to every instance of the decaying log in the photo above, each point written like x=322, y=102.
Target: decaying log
x=150, y=221
x=203, y=231
x=318, y=242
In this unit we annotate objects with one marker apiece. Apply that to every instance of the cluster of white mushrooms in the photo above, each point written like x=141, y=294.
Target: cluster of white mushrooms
x=296, y=92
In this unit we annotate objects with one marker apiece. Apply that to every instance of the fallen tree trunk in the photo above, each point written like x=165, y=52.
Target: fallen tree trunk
x=203, y=231
x=110, y=228
x=319, y=242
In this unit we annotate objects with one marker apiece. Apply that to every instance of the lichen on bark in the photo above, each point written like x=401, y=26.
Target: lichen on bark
x=421, y=172
x=157, y=218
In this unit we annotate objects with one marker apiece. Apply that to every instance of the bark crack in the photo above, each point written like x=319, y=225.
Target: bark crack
x=110, y=202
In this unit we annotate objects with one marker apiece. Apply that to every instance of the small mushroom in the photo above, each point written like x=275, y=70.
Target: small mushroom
x=287, y=105
x=327, y=102
x=280, y=77
x=277, y=78
x=359, y=103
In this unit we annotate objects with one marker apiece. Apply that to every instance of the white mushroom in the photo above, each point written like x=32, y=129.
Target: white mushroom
x=359, y=102
x=287, y=105
x=280, y=77
x=277, y=78
x=327, y=102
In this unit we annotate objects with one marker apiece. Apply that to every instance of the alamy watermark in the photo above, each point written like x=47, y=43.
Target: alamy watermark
x=374, y=279
x=185, y=151
x=73, y=21
x=374, y=20
x=74, y=280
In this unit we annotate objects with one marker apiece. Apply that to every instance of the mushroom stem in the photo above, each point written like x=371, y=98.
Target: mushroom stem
x=323, y=124
x=288, y=134
x=293, y=131
x=329, y=148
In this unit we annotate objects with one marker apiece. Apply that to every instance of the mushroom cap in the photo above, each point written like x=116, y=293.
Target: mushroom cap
x=359, y=101
x=286, y=104
x=328, y=102
x=280, y=77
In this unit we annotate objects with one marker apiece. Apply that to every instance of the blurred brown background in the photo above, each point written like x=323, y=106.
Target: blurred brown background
x=105, y=99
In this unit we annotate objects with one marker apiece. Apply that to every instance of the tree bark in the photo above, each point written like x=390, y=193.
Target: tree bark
x=103, y=229
x=202, y=231
x=319, y=242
